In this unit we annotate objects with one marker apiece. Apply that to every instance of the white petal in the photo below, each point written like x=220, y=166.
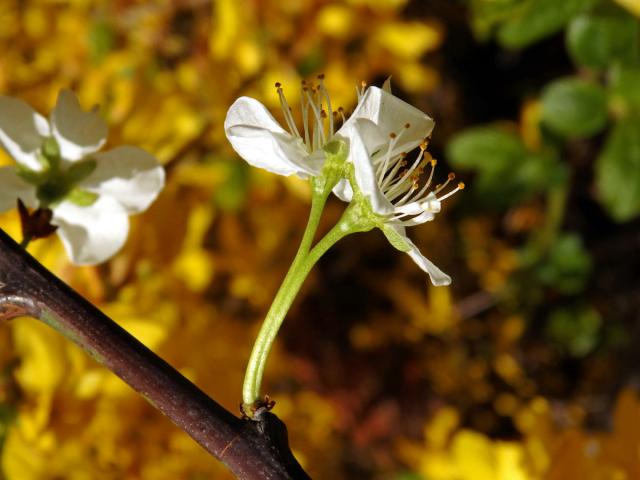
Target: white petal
x=391, y=114
x=343, y=190
x=431, y=205
x=419, y=220
x=12, y=188
x=263, y=143
x=129, y=174
x=91, y=235
x=438, y=277
x=22, y=131
x=77, y=132
x=365, y=171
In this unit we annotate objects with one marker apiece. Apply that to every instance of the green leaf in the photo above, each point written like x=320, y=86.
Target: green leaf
x=573, y=107
x=487, y=14
x=486, y=148
x=395, y=239
x=618, y=171
x=624, y=87
x=598, y=41
x=507, y=171
x=576, y=330
x=536, y=19
x=567, y=266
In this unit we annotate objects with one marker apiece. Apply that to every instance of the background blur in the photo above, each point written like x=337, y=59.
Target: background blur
x=525, y=368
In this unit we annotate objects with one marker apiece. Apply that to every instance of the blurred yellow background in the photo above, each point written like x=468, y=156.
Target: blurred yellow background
x=414, y=397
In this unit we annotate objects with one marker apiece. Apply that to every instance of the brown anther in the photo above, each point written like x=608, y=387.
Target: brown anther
x=305, y=88
x=403, y=154
x=392, y=135
x=461, y=186
x=278, y=85
x=321, y=76
x=304, y=82
x=407, y=125
x=451, y=176
x=340, y=109
x=334, y=113
x=323, y=114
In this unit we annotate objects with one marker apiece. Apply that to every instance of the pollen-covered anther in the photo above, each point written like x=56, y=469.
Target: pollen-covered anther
x=392, y=135
x=433, y=162
x=451, y=176
x=461, y=186
x=423, y=146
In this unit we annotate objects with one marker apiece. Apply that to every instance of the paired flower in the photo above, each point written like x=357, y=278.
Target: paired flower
x=379, y=136
x=90, y=194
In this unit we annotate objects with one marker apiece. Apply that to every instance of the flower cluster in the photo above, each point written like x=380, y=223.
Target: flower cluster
x=378, y=139
x=58, y=167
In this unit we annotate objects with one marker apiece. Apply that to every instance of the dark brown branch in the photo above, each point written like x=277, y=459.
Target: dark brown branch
x=252, y=449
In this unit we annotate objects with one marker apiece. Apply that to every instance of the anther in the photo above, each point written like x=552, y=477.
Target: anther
x=407, y=125
x=278, y=85
x=433, y=162
x=423, y=146
x=392, y=135
x=321, y=76
x=323, y=114
x=363, y=84
x=451, y=176
x=461, y=186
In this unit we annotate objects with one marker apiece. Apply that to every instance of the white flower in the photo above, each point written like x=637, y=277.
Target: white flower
x=380, y=133
x=91, y=194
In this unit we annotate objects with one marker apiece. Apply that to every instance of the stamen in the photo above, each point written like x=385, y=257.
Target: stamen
x=439, y=188
x=304, y=105
x=318, y=127
x=286, y=109
x=325, y=94
x=459, y=187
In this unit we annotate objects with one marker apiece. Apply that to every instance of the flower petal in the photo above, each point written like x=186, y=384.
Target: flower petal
x=22, y=131
x=263, y=143
x=77, y=132
x=343, y=190
x=12, y=188
x=437, y=276
x=129, y=174
x=365, y=175
x=92, y=234
x=391, y=114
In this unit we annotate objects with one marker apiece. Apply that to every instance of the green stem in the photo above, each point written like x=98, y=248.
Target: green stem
x=302, y=264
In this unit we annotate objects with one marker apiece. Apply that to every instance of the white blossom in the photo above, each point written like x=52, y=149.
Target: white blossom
x=58, y=166
x=380, y=134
